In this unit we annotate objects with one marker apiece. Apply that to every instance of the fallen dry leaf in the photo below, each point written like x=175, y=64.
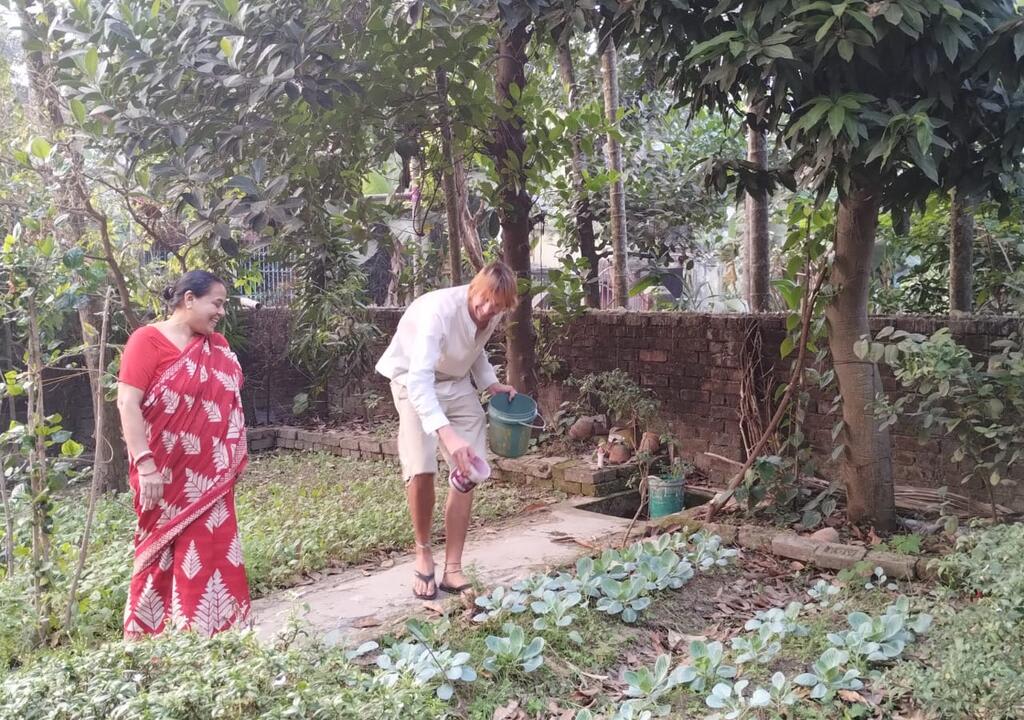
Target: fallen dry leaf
x=389, y=563
x=367, y=621
x=434, y=607
x=509, y=712
x=852, y=696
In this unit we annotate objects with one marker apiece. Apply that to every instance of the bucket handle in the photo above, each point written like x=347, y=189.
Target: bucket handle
x=530, y=425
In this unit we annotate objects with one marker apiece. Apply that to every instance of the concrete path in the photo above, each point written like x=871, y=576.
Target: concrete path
x=352, y=606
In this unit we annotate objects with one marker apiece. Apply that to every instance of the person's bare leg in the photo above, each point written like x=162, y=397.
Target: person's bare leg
x=456, y=522
x=420, y=494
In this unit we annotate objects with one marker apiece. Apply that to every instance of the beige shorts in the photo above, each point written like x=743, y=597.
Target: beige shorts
x=417, y=450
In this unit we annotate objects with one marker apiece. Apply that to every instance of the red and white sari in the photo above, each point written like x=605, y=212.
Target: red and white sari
x=188, y=571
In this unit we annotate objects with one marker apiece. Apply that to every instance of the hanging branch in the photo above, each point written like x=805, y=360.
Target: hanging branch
x=795, y=381
x=448, y=178
x=8, y=519
x=115, y=267
x=97, y=477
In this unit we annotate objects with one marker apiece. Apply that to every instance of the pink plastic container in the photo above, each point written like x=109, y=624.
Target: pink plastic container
x=479, y=472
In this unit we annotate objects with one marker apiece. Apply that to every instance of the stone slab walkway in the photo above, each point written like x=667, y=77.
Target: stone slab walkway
x=352, y=606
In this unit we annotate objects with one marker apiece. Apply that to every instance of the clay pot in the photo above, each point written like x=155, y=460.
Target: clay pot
x=649, y=443
x=618, y=454
x=582, y=429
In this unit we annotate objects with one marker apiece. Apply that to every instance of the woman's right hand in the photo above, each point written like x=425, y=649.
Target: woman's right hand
x=151, y=489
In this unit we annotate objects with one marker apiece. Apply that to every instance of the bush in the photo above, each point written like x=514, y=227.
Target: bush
x=971, y=663
x=182, y=675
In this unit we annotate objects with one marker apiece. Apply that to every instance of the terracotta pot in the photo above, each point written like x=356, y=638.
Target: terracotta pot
x=582, y=429
x=649, y=443
x=618, y=454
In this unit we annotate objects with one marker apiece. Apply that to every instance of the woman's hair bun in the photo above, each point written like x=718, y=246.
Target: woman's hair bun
x=168, y=293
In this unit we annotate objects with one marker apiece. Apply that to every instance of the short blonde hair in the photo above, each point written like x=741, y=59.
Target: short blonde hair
x=497, y=283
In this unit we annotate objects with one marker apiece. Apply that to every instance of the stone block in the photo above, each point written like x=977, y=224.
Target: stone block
x=559, y=469
x=264, y=443
x=389, y=448
x=604, y=488
x=753, y=537
x=895, y=565
x=349, y=442
x=833, y=556
x=310, y=437
x=287, y=433
x=287, y=443
x=795, y=547
x=567, y=486
x=369, y=446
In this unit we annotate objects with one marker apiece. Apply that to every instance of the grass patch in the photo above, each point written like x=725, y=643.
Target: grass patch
x=298, y=513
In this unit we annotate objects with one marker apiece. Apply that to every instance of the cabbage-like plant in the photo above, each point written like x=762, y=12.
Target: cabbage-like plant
x=498, y=601
x=513, y=650
x=706, y=666
x=554, y=609
x=424, y=666
x=623, y=597
x=829, y=675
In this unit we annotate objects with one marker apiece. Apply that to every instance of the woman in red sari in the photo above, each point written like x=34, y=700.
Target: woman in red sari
x=181, y=413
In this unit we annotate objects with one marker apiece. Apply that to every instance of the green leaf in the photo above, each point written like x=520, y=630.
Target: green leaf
x=226, y=47
x=825, y=27
x=78, y=110
x=40, y=148
x=1018, y=45
x=836, y=117
x=845, y=48
x=860, y=348
x=71, y=449
x=787, y=346
x=91, y=62
x=231, y=6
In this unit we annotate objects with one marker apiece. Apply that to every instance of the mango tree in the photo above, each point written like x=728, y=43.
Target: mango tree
x=882, y=103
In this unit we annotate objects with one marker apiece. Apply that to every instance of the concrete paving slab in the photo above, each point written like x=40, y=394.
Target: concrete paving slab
x=340, y=605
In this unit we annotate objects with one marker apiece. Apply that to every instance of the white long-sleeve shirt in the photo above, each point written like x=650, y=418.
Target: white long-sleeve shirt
x=435, y=350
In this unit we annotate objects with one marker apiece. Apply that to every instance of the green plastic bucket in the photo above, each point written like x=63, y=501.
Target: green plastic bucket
x=511, y=421
x=664, y=495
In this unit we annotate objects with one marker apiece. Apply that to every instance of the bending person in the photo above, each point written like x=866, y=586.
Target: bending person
x=437, y=348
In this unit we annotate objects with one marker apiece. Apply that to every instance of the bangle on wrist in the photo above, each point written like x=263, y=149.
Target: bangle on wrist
x=142, y=456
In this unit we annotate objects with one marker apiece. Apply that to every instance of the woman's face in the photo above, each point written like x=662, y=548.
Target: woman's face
x=205, y=312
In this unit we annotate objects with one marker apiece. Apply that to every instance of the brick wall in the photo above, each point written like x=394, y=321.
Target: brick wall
x=693, y=363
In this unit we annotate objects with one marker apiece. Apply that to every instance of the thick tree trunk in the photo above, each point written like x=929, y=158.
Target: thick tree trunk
x=448, y=179
x=613, y=159
x=961, y=255
x=507, y=147
x=585, y=241
x=757, y=266
x=866, y=466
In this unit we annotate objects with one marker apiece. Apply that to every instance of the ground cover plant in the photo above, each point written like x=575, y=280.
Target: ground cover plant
x=299, y=513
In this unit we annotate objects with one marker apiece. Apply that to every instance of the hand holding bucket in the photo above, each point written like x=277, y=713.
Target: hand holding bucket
x=510, y=423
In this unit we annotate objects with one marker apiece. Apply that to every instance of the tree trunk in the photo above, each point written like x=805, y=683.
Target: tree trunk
x=585, y=241
x=110, y=455
x=961, y=258
x=8, y=517
x=613, y=159
x=866, y=466
x=448, y=179
x=507, y=147
x=467, y=222
x=756, y=269
x=418, y=255
x=39, y=476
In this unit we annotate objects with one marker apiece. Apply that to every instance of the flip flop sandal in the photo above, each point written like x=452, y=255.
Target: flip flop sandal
x=454, y=589
x=427, y=579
